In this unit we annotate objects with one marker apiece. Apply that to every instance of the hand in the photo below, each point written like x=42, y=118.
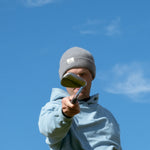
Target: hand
x=68, y=108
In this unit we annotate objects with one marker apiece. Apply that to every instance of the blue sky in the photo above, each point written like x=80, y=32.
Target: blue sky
x=33, y=36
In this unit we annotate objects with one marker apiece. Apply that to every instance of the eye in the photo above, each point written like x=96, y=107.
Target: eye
x=82, y=74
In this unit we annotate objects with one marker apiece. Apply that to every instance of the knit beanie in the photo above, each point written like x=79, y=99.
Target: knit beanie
x=76, y=57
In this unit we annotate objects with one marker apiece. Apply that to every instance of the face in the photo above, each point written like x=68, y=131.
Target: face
x=87, y=76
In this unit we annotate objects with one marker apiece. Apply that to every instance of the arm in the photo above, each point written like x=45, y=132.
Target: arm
x=52, y=123
x=56, y=119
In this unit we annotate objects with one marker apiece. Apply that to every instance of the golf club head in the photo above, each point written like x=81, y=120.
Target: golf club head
x=71, y=80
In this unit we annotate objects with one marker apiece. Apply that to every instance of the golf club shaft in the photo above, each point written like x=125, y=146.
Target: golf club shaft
x=75, y=98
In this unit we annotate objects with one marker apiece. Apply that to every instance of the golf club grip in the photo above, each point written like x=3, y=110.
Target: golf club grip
x=73, y=101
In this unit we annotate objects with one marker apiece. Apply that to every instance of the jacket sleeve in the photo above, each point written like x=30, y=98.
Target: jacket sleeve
x=53, y=124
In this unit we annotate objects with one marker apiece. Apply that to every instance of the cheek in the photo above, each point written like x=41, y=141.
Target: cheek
x=89, y=81
x=88, y=85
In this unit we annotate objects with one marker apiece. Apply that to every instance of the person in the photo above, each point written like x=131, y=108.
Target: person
x=85, y=125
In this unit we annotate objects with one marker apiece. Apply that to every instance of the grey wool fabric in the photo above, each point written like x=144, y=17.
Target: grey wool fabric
x=77, y=57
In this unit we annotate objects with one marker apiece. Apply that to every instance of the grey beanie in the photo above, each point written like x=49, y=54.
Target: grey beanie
x=77, y=57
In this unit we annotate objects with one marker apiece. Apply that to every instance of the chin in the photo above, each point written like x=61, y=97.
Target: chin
x=82, y=96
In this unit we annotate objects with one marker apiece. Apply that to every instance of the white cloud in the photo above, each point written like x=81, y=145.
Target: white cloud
x=100, y=27
x=37, y=3
x=113, y=28
x=93, y=22
x=87, y=32
x=90, y=27
x=130, y=80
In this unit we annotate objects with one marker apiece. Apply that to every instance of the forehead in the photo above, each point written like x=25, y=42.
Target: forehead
x=78, y=70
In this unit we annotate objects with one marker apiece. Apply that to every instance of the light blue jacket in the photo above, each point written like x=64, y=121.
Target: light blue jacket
x=94, y=128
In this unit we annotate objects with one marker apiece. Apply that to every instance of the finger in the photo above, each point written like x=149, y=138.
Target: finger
x=67, y=102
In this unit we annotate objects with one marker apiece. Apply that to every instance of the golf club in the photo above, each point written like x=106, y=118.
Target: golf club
x=71, y=80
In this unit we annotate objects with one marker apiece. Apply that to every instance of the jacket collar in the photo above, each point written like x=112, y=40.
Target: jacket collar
x=93, y=100
x=59, y=94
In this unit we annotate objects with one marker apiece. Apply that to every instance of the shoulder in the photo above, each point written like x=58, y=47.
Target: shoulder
x=107, y=113
x=55, y=99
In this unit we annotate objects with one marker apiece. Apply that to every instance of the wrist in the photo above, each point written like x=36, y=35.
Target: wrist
x=66, y=115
